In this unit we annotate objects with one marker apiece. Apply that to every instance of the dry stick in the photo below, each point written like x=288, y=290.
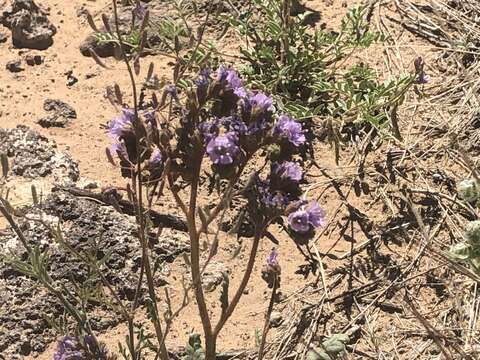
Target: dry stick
x=430, y=329
x=266, y=327
x=14, y=225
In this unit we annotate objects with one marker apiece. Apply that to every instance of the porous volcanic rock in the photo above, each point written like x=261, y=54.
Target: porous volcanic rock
x=29, y=25
x=61, y=113
x=35, y=156
x=88, y=227
x=14, y=66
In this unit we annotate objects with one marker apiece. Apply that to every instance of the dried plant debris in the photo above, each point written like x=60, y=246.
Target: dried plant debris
x=89, y=228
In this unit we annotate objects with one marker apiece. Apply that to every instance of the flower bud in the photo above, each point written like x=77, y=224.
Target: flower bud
x=468, y=190
x=472, y=232
x=271, y=270
x=460, y=251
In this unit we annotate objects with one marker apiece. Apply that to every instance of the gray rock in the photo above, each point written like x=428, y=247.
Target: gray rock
x=213, y=276
x=36, y=156
x=88, y=227
x=29, y=25
x=101, y=49
x=62, y=114
x=14, y=66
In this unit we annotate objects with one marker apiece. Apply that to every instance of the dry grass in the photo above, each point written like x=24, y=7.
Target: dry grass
x=395, y=291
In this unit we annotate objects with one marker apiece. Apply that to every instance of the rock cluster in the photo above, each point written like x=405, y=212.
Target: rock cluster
x=88, y=227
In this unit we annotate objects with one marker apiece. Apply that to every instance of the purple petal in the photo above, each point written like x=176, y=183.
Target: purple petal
x=316, y=215
x=223, y=149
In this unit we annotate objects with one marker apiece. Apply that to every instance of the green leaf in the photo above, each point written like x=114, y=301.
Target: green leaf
x=318, y=354
x=460, y=251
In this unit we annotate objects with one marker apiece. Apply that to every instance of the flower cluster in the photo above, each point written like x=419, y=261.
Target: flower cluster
x=69, y=348
x=306, y=218
x=230, y=125
x=238, y=124
x=241, y=121
x=135, y=138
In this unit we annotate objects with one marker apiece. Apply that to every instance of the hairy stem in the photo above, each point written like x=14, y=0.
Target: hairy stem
x=138, y=186
x=195, y=266
x=246, y=277
x=266, y=327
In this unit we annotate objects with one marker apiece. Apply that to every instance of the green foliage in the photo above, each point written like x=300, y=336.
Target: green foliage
x=330, y=349
x=194, y=349
x=469, y=190
x=170, y=34
x=468, y=251
x=132, y=39
x=303, y=68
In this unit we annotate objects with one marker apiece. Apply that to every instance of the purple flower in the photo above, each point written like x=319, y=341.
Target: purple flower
x=272, y=259
x=149, y=116
x=260, y=102
x=122, y=124
x=172, y=91
x=202, y=80
x=307, y=218
x=236, y=84
x=287, y=170
x=231, y=77
x=422, y=78
x=256, y=127
x=223, y=149
x=289, y=129
x=208, y=130
x=275, y=200
x=118, y=147
x=68, y=349
x=221, y=73
x=272, y=199
x=156, y=157
x=235, y=124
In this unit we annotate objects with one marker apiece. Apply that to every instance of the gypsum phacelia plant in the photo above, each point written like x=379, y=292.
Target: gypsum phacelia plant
x=216, y=128
x=221, y=129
